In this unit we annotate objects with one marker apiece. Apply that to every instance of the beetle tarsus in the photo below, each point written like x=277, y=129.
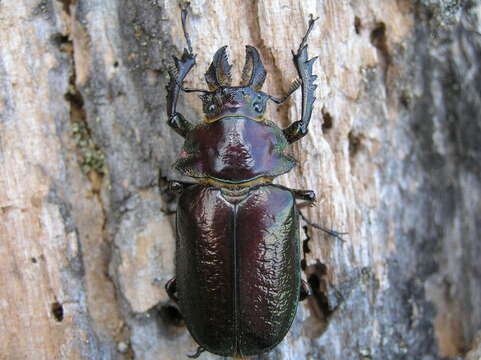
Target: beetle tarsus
x=183, y=7
x=333, y=233
x=199, y=351
x=312, y=20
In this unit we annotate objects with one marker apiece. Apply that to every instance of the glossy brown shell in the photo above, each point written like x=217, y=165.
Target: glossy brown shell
x=234, y=150
x=237, y=267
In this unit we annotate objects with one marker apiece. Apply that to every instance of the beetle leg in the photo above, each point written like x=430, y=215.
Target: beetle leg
x=171, y=289
x=199, y=351
x=305, y=291
x=176, y=186
x=303, y=65
x=307, y=195
x=336, y=234
x=310, y=197
x=179, y=124
x=177, y=74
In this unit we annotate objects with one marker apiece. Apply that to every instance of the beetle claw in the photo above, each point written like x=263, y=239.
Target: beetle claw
x=199, y=351
x=305, y=291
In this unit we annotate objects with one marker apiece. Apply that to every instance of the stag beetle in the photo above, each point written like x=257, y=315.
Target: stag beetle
x=238, y=274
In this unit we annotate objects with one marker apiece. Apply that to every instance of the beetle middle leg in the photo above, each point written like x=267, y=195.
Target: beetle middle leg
x=333, y=233
x=310, y=197
x=307, y=195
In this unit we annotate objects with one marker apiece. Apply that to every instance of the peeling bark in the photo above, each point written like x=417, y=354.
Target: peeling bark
x=393, y=154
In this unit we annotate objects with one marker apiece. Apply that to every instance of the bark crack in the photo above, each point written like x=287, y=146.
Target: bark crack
x=91, y=160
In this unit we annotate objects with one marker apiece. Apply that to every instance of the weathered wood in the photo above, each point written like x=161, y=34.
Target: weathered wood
x=393, y=153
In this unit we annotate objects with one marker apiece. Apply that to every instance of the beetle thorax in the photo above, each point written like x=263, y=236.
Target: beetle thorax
x=244, y=150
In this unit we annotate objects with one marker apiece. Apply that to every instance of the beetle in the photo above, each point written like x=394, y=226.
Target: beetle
x=237, y=274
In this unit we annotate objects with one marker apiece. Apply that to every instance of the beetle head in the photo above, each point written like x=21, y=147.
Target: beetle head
x=222, y=99
x=234, y=101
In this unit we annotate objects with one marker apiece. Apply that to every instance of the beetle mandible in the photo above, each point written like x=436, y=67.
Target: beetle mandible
x=237, y=274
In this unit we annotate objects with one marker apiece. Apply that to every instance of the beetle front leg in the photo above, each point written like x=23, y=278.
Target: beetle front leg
x=179, y=124
x=303, y=65
x=177, y=74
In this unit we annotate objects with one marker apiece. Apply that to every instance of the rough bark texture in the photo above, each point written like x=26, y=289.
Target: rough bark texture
x=393, y=153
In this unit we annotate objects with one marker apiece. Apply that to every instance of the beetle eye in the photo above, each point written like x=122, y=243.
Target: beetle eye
x=258, y=107
x=211, y=108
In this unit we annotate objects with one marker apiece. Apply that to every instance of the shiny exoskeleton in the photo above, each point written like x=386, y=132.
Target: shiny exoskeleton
x=238, y=268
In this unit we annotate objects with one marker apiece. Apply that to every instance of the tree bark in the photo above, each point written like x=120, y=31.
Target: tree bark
x=86, y=232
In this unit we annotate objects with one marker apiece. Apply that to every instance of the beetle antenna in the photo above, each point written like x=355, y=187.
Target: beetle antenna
x=294, y=86
x=183, y=7
x=189, y=90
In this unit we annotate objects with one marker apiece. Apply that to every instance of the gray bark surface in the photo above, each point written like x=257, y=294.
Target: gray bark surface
x=393, y=153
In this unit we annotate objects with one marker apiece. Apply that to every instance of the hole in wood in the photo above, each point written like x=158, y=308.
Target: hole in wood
x=305, y=247
x=405, y=99
x=57, y=311
x=317, y=279
x=326, y=120
x=171, y=315
x=66, y=5
x=354, y=144
x=378, y=35
x=379, y=40
x=357, y=25
x=63, y=42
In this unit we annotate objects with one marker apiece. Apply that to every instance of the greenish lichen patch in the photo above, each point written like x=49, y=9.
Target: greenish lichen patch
x=91, y=157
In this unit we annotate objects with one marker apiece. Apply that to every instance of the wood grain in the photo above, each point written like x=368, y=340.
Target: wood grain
x=86, y=238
